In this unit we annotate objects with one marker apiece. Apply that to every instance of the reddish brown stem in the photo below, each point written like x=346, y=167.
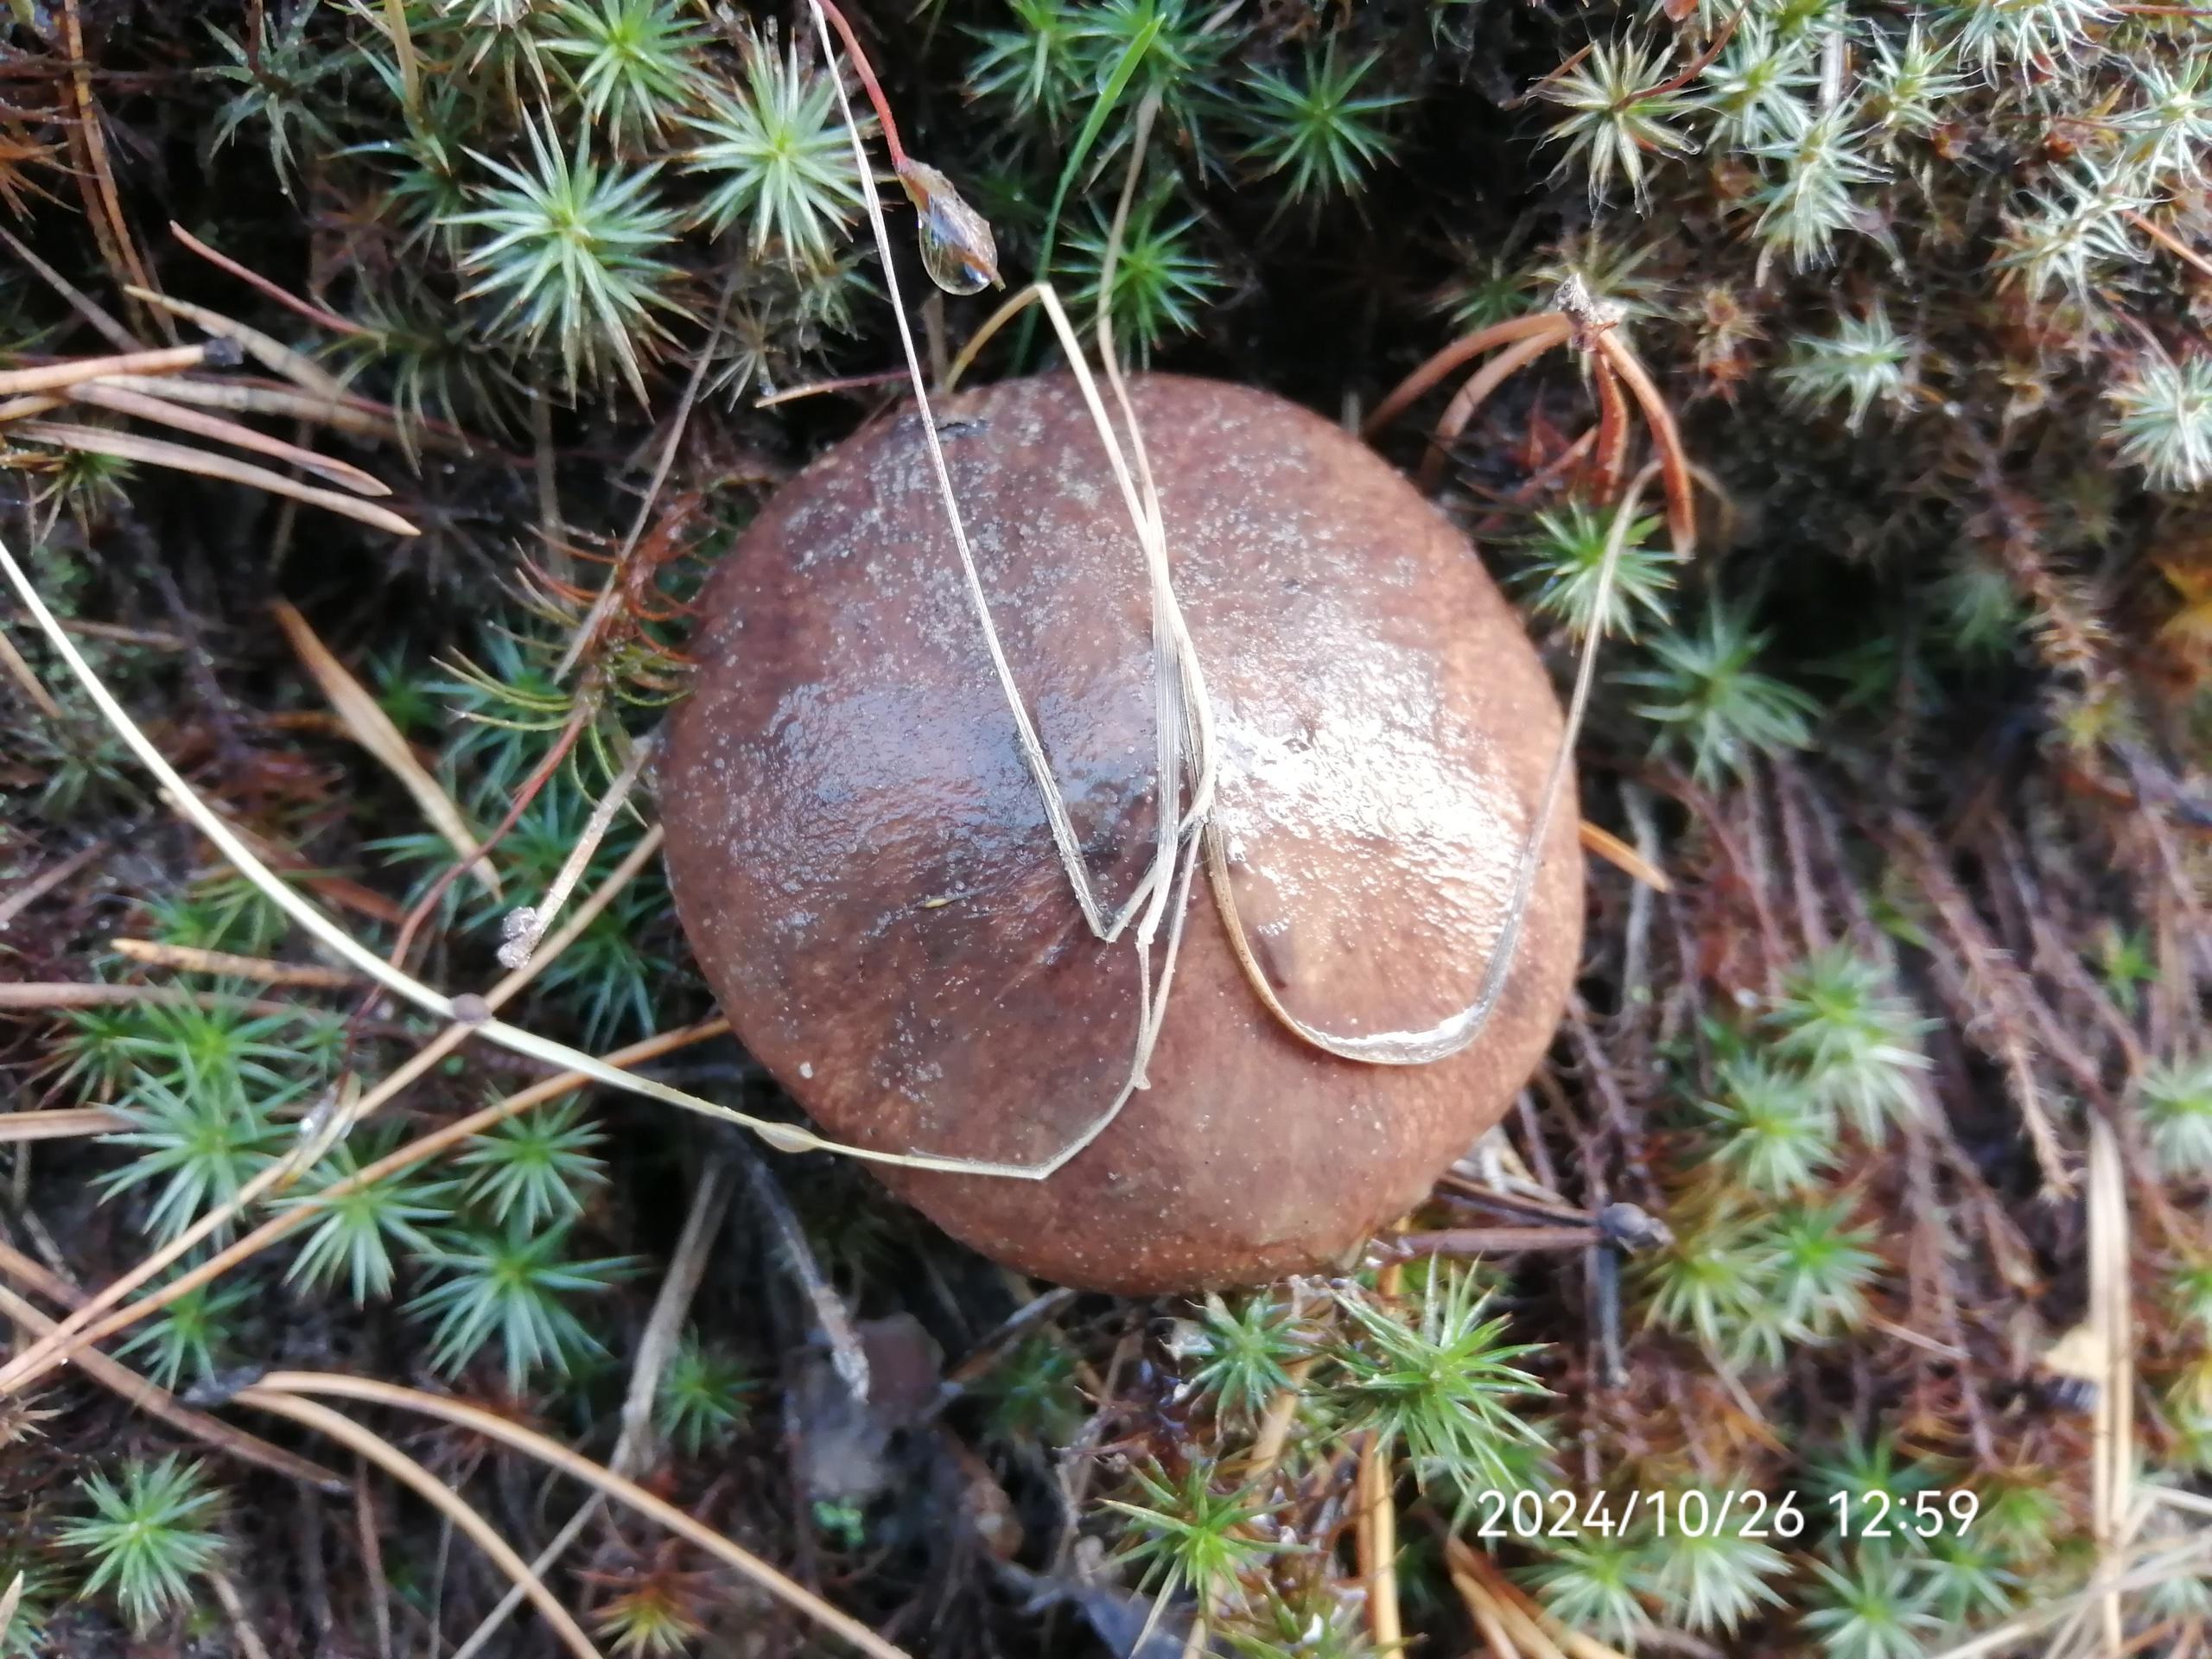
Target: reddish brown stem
x=1465, y=349
x=1471, y=397
x=868, y=83
x=315, y=313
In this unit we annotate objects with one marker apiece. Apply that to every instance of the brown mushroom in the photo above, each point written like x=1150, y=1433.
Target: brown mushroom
x=862, y=862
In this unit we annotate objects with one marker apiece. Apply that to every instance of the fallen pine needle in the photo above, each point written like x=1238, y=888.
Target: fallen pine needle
x=183, y=458
x=266, y=350
x=23, y=674
x=282, y=1385
x=374, y=730
x=169, y=412
x=225, y=964
x=1604, y=844
x=432, y=1491
x=158, y=1402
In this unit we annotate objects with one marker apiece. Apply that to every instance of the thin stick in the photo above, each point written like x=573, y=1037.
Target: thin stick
x=432, y=1491
x=48, y=879
x=491, y=1426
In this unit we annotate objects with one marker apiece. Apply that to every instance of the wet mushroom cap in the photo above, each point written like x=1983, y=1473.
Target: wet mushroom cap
x=862, y=863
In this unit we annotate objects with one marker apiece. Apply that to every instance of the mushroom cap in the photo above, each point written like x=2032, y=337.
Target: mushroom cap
x=862, y=862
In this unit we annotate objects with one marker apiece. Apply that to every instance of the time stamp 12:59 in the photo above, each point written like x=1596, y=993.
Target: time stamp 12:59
x=1697, y=1514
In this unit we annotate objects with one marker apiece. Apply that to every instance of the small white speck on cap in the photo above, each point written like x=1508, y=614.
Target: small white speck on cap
x=806, y=1068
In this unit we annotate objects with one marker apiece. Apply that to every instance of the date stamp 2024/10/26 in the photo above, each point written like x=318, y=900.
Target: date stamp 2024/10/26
x=1698, y=1514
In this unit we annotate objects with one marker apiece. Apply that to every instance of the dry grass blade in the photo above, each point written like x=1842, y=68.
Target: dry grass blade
x=433, y=1491
x=227, y=964
x=373, y=728
x=10, y=1599
x=159, y=452
x=55, y=376
x=163, y=412
x=270, y=352
x=69, y=1125
x=251, y=1645
x=159, y=1404
x=554, y=1455
x=1456, y=1032
x=88, y=139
